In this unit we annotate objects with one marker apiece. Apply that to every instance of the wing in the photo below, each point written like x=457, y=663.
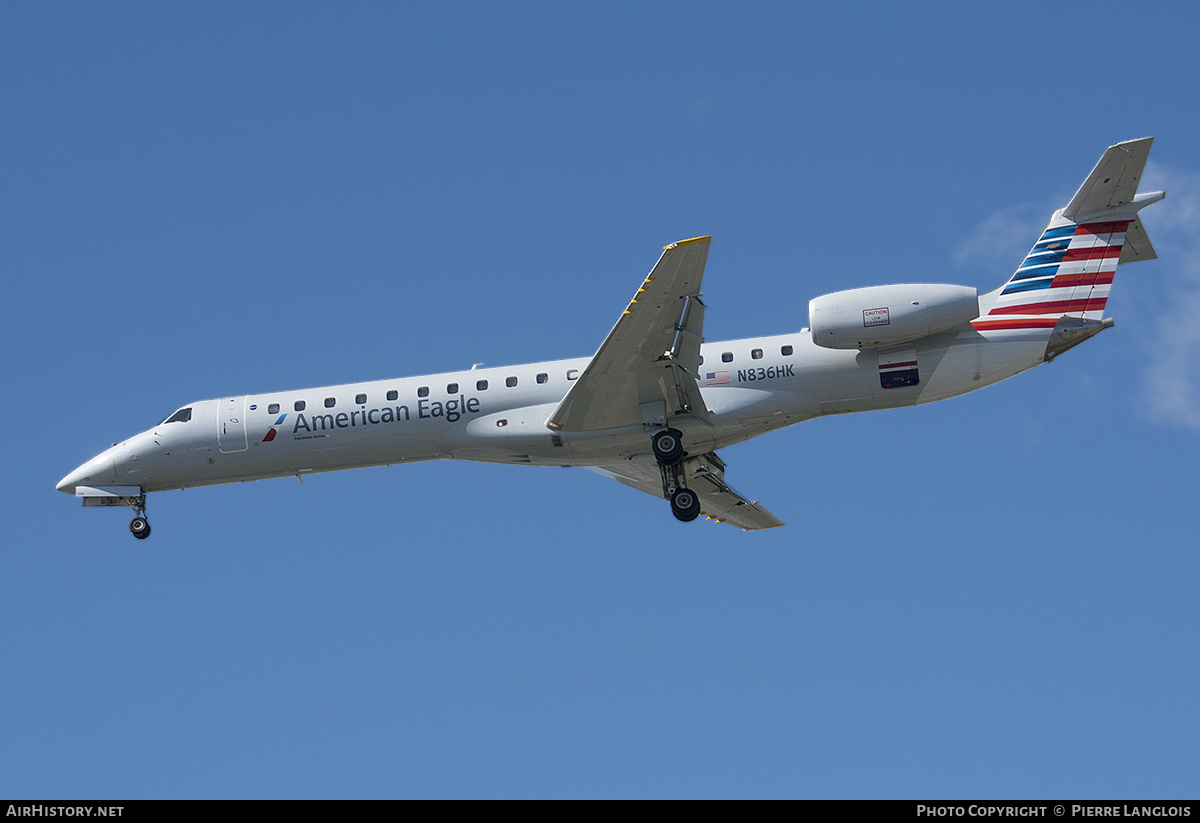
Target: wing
x=706, y=477
x=646, y=370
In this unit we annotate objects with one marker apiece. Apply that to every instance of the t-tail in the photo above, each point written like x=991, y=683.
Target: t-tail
x=1064, y=281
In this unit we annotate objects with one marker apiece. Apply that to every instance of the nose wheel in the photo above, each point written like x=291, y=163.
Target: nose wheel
x=139, y=525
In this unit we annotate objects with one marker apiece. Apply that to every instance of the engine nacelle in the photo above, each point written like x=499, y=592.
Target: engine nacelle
x=883, y=315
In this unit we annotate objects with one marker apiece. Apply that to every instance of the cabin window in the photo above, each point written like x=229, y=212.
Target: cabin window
x=786, y=351
x=360, y=399
x=510, y=381
x=181, y=416
x=480, y=385
x=423, y=391
x=393, y=394
x=756, y=354
x=330, y=402
x=298, y=405
x=727, y=357
x=701, y=360
x=573, y=374
x=273, y=408
x=543, y=377
x=451, y=388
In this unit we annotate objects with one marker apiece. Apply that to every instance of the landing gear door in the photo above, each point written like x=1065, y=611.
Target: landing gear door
x=231, y=425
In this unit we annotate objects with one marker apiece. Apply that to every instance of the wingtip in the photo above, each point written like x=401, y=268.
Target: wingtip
x=688, y=242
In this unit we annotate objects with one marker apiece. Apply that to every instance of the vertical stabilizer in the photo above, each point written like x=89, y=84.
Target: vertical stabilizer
x=1070, y=269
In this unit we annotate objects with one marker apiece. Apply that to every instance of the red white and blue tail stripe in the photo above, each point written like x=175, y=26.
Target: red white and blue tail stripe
x=1069, y=271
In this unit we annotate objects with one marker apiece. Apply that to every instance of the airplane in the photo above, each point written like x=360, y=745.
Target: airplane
x=656, y=402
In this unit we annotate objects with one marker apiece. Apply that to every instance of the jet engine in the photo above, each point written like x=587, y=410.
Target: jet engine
x=885, y=315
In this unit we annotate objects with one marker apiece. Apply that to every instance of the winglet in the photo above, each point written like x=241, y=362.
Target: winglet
x=688, y=242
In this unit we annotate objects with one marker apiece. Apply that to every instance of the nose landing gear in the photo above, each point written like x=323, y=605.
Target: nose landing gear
x=139, y=525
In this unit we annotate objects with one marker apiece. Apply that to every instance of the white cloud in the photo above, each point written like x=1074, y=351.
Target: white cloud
x=1171, y=375
x=1172, y=372
x=997, y=246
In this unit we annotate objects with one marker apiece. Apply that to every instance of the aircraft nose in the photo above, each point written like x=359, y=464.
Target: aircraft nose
x=68, y=483
x=90, y=473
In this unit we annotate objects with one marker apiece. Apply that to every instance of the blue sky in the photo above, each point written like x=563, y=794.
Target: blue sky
x=988, y=597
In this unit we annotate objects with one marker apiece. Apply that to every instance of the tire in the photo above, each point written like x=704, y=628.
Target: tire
x=685, y=505
x=140, y=527
x=667, y=446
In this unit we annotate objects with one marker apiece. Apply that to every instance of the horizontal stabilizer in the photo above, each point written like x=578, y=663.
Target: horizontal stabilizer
x=1113, y=182
x=1137, y=244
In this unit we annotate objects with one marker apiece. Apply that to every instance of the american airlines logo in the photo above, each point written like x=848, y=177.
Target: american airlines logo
x=270, y=435
x=876, y=317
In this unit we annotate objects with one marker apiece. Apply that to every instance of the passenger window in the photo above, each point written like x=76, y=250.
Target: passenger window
x=299, y=405
x=393, y=394
x=573, y=374
x=452, y=388
x=701, y=360
x=273, y=408
x=330, y=402
x=423, y=391
x=543, y=377
x=510, y=381
x=360, y=399
x=727, y=357
x=786, y=351
x=480, y=385
x=756, y=354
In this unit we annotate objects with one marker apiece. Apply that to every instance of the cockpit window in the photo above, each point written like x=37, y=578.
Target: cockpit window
x=181, y=416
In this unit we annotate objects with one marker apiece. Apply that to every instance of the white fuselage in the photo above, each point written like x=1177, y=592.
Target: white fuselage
x=499, y=414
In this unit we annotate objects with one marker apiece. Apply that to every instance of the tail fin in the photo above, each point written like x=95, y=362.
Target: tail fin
x=1069, y=271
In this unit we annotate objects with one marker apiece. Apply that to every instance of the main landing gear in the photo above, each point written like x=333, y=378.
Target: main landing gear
x=667, y=446
x=139, y=525
x=685, y=505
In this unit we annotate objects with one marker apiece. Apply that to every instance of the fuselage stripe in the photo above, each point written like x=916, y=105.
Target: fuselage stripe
x=1054, y=307
x=991, y=325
